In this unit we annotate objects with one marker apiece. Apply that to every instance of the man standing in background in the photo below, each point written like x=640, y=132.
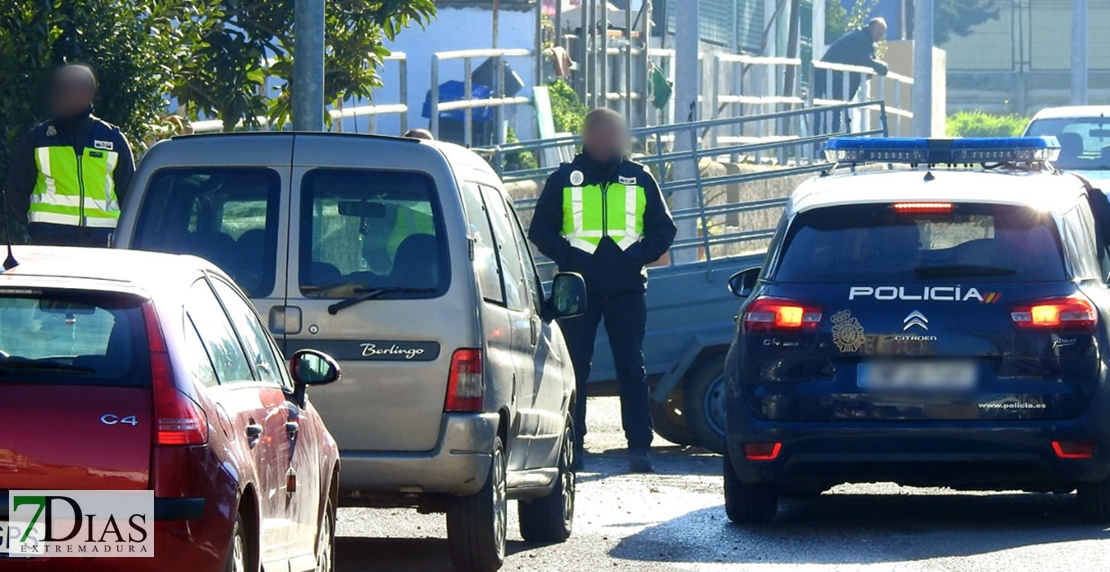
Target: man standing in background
x=69, y=174
x=856, y=48
x=604, y=217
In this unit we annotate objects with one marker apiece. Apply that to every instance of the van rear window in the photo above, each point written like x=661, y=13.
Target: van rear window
x=365, y=230
x=72, y=338
x=228, y=216
x=880, y=243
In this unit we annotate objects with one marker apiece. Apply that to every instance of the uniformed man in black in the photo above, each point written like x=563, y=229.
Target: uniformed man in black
x=856, y=48
x=70, y=173
x=604, y=217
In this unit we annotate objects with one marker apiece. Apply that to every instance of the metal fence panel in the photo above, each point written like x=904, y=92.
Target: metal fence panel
x=992, y=46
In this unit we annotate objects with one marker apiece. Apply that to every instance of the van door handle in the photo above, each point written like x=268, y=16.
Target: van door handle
x=535, y=330
x=254, y=431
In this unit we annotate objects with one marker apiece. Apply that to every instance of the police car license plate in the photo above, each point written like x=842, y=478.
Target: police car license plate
x=917, y=375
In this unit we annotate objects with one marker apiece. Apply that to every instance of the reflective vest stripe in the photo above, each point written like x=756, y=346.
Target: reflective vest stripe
x=75, y=191
x=590, y=214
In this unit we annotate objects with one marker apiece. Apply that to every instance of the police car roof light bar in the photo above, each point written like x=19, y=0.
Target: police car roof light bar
x=923, y=151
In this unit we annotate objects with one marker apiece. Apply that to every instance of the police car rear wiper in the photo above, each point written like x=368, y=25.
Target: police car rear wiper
x=955, y=270
x=371, y=294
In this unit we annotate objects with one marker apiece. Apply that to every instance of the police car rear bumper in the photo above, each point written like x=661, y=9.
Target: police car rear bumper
x=994, y=457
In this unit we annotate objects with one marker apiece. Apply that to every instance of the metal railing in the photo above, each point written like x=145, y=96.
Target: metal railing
x=340, y=112
x=706, y=145
x=498, y=100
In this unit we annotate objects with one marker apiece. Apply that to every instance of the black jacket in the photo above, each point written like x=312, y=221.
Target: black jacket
x=855, y=49
x=77, y=133
x=609, y=269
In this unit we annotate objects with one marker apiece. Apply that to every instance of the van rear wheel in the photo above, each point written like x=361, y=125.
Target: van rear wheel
x=477, y=524
x=551, y=518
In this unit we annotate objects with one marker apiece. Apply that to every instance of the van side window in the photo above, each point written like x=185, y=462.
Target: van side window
x=531, y=278
x=362, y=230
x=512, y=265
x=486, y=264
x=228, y=216
x=214, y=327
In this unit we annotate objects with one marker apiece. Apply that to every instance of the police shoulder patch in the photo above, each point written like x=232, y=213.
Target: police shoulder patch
x=577, y=178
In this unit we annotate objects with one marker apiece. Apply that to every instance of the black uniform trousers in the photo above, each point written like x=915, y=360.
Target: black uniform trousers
x=625, y=315
x=47, y=234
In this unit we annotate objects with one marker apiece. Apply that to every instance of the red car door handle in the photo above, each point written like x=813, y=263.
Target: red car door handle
x=254, y=431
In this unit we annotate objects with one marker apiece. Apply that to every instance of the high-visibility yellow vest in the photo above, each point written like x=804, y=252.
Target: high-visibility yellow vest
x=593, y=212
x=75, y=190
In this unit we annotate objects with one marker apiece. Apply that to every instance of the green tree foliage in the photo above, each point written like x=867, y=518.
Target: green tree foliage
x=839, y=20
x=953, y=17
x=224, y=75
x=983, y=124
x=958, y=17
x=567, y=110
x=122, y=40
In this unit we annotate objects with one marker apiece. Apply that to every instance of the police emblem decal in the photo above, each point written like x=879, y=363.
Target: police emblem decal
x=577, y=178
x=847, y=332
x=51, y=131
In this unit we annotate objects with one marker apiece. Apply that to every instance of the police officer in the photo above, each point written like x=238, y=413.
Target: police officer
x=603, y=216
x=69, y=173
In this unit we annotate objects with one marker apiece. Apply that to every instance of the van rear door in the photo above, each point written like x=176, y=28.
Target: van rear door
x=370, y=270
x=229, y=213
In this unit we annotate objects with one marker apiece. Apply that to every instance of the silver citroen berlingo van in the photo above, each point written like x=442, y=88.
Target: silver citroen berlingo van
x=404, y=260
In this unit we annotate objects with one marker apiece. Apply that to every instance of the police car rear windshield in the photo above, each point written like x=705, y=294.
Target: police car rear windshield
x=921, y=242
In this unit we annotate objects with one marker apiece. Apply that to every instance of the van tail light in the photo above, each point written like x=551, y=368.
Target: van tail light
x=178, y=420
x=1071, y=314
x=777, y=315
x=465, y=386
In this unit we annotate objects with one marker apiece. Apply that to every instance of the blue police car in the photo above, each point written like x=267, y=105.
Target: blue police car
x=940, y=323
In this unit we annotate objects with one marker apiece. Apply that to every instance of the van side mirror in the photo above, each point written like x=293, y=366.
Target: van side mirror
x=568, y=295
x=742, y=283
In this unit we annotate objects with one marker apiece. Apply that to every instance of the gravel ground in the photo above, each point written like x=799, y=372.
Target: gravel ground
x=674, y=520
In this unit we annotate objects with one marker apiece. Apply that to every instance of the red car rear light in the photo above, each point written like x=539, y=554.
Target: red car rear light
x=178, y=420
x=465, y=386
x=1072, y=314
x=773, y=314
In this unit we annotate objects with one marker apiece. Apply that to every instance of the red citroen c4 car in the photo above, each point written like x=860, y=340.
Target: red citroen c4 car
x=124, y=370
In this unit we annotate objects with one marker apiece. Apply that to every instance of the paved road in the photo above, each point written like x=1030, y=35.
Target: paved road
x=674, y=520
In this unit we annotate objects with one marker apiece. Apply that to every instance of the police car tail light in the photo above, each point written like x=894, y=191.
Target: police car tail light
x=775, y=314
x=465, y=386
x=178, y=420
x=917, y=208
x=1074, y=314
